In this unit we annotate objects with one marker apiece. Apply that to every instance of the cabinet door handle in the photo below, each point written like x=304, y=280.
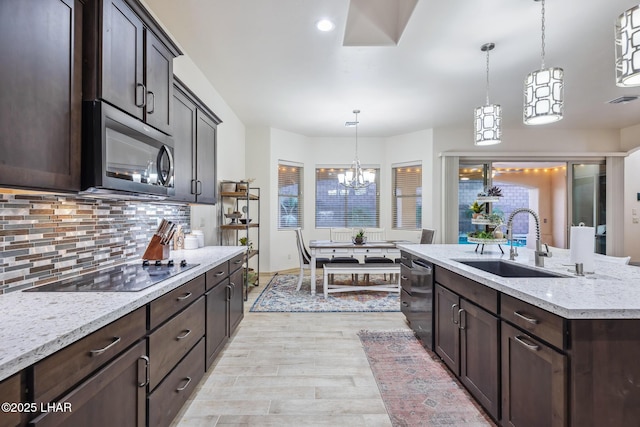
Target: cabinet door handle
x=194, y=186
x=183, y=336
x=184, y=297
x=229, y=290
x=238, y=261
x=144, y=95
x=198, y=187
x=188, y=379
x=462, y=319
x=404, y=277
x=116, y=340
x=522, y=341
x=219, y=273
x=453, y=314
x=145, y=359
x=531, y=320
x=153, y=105
x=404, y=303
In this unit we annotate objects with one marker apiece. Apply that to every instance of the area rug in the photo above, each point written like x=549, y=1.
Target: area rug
x=416, y=387
x=280, y=295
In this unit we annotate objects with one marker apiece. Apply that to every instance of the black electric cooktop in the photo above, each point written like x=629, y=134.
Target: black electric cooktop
x=121, y=278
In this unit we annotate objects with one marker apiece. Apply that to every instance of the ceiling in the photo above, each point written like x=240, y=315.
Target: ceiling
x=274, y=68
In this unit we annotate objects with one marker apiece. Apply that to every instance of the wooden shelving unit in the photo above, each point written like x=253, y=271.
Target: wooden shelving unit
x=247, y=201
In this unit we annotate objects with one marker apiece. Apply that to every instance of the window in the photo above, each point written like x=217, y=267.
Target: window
x=339, y=206
x=407, y=197
x=290, y=213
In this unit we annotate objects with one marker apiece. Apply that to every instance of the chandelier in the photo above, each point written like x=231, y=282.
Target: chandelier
x=628, y=48
x=543, y=92
x=356, y=177
x=488, y=118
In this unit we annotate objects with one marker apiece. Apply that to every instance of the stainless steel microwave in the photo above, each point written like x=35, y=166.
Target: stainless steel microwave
x=124, y=156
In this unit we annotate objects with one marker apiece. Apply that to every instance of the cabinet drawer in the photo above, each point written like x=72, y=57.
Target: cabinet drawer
x=58, y=372
x=169, y=304
x=11, y=391
x=374, y=251
x=169, y=343
x=405, y=278
x=217, y=274
x=539, y=322
x=405, y=258
x=481, y=295
x=236, y=262
x=168, y=398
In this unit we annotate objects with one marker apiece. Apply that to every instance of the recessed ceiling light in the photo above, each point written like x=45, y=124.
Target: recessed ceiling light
x=325, y=25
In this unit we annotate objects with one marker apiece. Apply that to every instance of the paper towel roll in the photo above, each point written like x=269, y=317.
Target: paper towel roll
x=582, y=247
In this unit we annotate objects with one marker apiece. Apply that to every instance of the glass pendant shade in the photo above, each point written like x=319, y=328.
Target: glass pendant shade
x=544, y=96
x=488, y=121
x=628, y=48
x=543, y=91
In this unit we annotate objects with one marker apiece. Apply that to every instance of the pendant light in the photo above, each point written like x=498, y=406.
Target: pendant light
x=543, y=92
x=355, y=177
x=628, y=48
x=488, y=118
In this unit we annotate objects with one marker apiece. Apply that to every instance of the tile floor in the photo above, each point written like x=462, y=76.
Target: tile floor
x=292, y=369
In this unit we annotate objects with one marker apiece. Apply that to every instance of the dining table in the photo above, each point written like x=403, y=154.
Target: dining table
x=328, y=249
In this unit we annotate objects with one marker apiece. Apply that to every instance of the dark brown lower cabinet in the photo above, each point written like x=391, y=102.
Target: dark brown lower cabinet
x=217, y=320
x=447, y=333
x=167, y=399
x=479, y=355
x=467, y=340
x=236, y=299
x=113, y=396
x=534, y=381
x=11, y=390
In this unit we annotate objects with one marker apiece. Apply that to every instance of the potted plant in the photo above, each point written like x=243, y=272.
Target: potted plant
x=476, y=209
x=359, y=238
x=244, y=241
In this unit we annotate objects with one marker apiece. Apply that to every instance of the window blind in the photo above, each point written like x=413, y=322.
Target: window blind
x=339, y=206
x=290, y=212
x=407, y=197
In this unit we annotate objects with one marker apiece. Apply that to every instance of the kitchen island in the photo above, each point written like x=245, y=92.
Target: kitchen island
x=553, y=351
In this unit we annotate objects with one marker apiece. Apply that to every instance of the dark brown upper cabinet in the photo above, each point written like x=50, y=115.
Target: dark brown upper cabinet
x=195, y=131
x=40, y=92
x=129, y=61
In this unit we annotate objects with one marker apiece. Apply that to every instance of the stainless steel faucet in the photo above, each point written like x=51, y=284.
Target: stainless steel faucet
x=540, y=255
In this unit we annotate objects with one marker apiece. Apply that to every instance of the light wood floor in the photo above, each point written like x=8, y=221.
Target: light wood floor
x=292, y=369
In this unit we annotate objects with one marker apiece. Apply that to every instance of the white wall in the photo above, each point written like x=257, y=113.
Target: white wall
x=632, y=188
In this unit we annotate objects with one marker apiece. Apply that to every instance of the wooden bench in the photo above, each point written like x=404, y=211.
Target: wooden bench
x=340, y=268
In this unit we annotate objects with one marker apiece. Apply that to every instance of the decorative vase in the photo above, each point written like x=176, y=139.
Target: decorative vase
x=359, y=240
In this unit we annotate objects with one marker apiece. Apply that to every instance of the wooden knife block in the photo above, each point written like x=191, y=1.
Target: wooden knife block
x=155, y=250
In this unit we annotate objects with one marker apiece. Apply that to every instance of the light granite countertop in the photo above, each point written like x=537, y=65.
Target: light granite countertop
x=611, y=292
x=37, y=324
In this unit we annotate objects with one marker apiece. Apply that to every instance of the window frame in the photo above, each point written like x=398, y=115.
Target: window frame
x=299, y=196
x=345, y=220
x=417, y=196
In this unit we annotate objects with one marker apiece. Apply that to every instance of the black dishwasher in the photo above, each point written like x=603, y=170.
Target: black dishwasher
x=416, y=298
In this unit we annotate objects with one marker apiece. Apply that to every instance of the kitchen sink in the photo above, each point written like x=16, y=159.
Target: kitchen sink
x=507, y=269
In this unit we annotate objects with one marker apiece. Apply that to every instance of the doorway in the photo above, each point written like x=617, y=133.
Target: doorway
x=556, y=191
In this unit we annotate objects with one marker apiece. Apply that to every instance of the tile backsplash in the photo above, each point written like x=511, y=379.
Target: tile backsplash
x=45, y=238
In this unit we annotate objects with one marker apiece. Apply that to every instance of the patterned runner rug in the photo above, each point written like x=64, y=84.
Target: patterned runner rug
x=416, y=387
x=280, y=296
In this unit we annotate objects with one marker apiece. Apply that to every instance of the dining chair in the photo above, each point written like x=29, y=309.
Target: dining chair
x=427, y=236
x=341, y=234
x=305, y=257
x=374, y=234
